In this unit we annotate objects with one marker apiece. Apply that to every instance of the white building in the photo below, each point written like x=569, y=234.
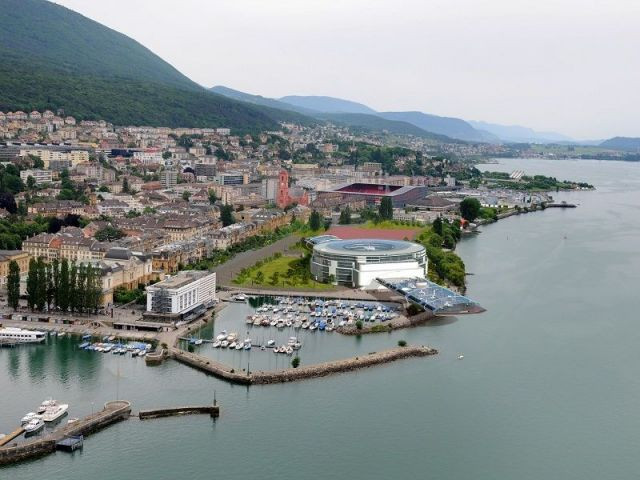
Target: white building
x=358, y=262
x=182, y=293
x=150, y=156
x=40, y=176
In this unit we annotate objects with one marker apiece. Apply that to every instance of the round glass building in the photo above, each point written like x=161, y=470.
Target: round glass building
x=358, y=262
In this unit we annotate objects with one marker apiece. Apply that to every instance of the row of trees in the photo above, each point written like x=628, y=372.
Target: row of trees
x=56, y=285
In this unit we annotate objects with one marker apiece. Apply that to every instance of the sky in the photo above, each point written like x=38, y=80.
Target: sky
x=570, y=66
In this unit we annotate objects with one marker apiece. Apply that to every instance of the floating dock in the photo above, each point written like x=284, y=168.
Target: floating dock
x=70, y=444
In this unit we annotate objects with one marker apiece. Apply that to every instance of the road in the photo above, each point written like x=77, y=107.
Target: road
x=226, y=271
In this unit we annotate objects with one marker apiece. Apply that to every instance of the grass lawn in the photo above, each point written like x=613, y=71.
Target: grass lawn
x=280, y=265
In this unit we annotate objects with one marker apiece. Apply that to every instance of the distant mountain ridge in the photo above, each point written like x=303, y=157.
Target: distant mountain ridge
x=629, y=144
x=518, y=134
x=325, y=104
x=54, y=58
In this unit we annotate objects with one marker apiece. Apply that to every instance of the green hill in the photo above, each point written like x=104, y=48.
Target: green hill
x=54, y=58
x=628, y=144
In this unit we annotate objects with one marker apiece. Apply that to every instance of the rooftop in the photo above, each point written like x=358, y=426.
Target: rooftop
x=365, y=246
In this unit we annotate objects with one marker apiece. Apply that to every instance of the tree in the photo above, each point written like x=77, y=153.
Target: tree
x=50, y=287
x=32, y=284
x=386, y=209
x=315, y=220
x=275, y=278
x=31, y=182
x=226, y=215
x=295, y=362
x=437, y=226
x=41, y=289
x=55, y=266
x=8, y=202
x=73, y=279
x=104, y=188
x=470, y=208
x=186, y=195
x=166, y=155
x=63, y=288
x=13, y=285
x=213, y=198
x=109, y=234
x=345, y=216
x=125, y=185
x=260, y=277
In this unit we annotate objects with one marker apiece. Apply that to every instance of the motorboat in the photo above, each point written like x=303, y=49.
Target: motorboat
x=28, y=417
x=271, y=343
x=232, y=344
x=54, y=412
x=217, y=344
x=239, y=345
x=222, y=336
x=34, y=426
x=198, y=341
x=46, y=404
x=224, y=344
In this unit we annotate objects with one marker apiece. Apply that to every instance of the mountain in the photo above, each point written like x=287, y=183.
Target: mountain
x=629, y=144
x=327, y=104
x=376, y=123
x=54, y=58
x=259, y=100
x=451, y=127
x=518, y=134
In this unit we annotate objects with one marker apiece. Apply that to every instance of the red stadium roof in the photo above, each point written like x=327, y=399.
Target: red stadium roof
x=347, y=233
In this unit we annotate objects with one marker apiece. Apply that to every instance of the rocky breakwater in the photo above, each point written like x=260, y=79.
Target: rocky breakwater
x=396, y=323
x=339, y=366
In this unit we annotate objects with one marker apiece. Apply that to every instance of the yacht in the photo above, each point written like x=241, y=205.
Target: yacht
x=46, y=404
x=28, y=417
x=54, y=412
x=34, y=426
x=22, y=336
x=217, y=343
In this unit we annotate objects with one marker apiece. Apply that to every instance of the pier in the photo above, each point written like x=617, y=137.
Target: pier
x=111, y=413
x=211, y=410
x=225, y=372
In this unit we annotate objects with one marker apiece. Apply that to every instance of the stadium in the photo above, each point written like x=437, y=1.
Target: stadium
x=358, y=262
x=372, y=193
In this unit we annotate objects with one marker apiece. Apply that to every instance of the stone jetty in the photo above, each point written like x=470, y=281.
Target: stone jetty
x=224, y=372
x=113, y=412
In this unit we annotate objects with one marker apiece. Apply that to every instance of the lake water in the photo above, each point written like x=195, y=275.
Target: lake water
x=548, y=387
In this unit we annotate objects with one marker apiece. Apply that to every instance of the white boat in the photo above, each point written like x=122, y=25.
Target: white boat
x=54, y=412
x=239, y=345
x=61, y=334
x=73, y=420
x=142, y=353
x=271, y=343
x=217, y=343
x=34, y=426
x=198, y=341
x=20, y=335
x=232, y=344
x=222, y=336
x=224, y=344
x=28, y=417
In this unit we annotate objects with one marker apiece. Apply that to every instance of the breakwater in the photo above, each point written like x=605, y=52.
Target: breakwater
x=395, y=323
x=113, y=412
x=294, y=374
x=212, y=410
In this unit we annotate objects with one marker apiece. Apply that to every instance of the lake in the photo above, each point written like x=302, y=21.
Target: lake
x=548, y=387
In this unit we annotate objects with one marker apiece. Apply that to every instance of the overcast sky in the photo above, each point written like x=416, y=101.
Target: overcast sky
x=572, y=66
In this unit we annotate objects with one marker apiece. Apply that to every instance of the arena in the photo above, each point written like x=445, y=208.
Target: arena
x=358, y=262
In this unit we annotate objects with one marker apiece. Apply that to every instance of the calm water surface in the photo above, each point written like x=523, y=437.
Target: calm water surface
x=548, y=388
